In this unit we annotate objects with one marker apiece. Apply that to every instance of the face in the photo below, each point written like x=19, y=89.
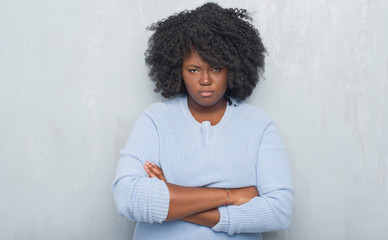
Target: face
x=206, y=84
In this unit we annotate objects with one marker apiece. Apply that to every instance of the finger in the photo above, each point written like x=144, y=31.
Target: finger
x=147, y=166
x=153, y=175
x=154, y=171
x=150, y=173
x=154, y=165
x=158, y=171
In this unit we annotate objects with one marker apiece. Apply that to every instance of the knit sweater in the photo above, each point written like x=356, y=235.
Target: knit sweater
x=243, y=149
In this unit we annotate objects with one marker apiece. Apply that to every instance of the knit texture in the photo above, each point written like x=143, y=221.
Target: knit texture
x=243, y=149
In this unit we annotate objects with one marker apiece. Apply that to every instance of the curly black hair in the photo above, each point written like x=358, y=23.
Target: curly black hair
x=222, y=37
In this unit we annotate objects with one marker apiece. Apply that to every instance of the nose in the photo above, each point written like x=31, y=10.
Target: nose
x=205, y=79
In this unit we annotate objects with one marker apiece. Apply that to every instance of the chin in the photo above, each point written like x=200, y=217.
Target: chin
x=207, y=101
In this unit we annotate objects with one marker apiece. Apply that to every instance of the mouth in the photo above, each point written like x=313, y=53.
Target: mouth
x=206, y=93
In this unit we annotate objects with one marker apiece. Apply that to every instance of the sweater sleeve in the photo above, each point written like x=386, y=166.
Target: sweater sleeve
x=272, y=210
x=138, y=197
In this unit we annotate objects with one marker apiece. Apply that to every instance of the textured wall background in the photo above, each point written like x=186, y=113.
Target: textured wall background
x=73, y=80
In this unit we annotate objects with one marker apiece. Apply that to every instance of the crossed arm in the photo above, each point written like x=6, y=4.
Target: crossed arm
x=144, y=196
x=199, y=205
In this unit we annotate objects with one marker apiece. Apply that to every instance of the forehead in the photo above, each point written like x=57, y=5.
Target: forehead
x=193, y=58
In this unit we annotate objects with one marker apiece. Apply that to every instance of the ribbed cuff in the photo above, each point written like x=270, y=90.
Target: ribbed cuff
x=160, y=201
x=223, y=224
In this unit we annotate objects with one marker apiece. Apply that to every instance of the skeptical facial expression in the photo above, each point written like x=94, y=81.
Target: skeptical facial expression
x=206, y=84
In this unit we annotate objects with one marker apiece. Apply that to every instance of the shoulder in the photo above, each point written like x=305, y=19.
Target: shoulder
x=251, y=113
x=160, y=110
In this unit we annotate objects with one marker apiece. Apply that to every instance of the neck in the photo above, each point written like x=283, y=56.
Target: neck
x=213, y=113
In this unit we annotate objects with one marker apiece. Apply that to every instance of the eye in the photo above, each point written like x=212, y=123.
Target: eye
x=217, y=69
x=193, y=70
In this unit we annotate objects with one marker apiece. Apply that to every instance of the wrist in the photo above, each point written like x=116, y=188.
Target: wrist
x=227, y=201
x=233, y=194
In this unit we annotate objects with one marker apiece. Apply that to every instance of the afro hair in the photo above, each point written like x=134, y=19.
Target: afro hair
x=222, y=37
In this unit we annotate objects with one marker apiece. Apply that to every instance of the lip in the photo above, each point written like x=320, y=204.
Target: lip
x=206, y=93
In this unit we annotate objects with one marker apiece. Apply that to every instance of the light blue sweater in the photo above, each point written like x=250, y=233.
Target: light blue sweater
x=243, y=149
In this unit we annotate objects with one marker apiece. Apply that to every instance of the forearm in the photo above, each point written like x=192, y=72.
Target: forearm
x=207, y=218
x=141, y=199
x=187, y=201
x=270, y=212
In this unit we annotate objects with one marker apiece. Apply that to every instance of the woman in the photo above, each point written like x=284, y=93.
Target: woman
x=204, y=164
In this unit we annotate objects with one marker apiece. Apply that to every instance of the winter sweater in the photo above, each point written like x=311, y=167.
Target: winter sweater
x=243, y=149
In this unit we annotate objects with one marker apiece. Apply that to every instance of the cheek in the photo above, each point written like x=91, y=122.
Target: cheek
x=224, y=81
x=188, y=82
x=189, y=87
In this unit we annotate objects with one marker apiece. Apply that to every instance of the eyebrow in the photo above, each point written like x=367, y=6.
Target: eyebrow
x=192, y=65
x=195, y=66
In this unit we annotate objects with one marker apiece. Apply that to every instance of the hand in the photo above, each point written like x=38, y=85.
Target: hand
x=239, y=196
x=154, y=171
